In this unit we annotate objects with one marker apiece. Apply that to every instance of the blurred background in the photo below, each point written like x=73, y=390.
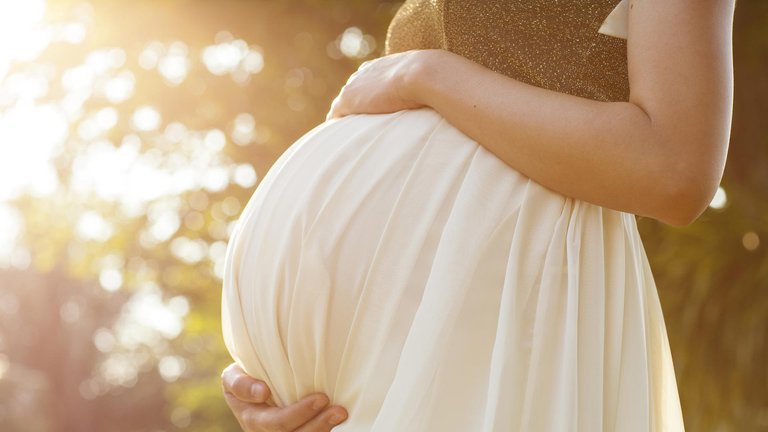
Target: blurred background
x=133, y=132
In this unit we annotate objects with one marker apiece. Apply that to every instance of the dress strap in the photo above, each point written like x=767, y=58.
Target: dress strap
x=617, y=22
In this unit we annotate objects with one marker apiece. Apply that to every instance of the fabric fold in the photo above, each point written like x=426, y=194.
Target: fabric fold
x=395, y=264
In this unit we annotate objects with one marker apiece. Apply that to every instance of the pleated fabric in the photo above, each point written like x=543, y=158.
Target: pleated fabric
x=395, y=264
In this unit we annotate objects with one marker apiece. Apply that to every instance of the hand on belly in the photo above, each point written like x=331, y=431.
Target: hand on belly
x=247, y=398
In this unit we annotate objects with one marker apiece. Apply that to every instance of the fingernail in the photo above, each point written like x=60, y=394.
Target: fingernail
x=318, y=403
x=257, y=390
x=335, y=419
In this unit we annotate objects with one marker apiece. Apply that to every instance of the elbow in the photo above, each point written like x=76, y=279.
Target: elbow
x=688, y=173
x=685, y=200
x=681, y=214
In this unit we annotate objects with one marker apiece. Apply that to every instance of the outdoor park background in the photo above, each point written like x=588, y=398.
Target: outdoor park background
x=133, y=132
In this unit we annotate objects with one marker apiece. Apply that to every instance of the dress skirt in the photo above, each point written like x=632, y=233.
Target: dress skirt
x=396, y=265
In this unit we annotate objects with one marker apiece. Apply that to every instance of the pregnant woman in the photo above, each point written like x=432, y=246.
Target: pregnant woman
x=455, y=248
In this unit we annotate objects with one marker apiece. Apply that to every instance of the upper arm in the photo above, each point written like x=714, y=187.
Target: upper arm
x=680, y=61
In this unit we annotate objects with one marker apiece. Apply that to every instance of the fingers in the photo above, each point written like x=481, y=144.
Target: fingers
x=240, y=410
x=260, y=417
x=326, y=421
x=244, y=387
x=333, y=112
x=247, y=397
x=293, y=416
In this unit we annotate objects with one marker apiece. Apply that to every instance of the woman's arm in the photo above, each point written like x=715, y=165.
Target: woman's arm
x=660, y=155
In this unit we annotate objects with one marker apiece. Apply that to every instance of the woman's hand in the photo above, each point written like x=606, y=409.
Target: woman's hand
x=380, y=85
x=247, y=398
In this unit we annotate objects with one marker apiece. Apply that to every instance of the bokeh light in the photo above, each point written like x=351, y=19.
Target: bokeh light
x=720, y=199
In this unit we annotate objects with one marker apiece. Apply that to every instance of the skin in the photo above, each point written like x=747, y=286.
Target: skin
x=247, y=398
x=660, y=155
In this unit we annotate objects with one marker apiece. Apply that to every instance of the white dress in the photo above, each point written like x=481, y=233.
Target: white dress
x=395, y=264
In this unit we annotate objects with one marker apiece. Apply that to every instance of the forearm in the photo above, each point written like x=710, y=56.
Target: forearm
x=606, y=153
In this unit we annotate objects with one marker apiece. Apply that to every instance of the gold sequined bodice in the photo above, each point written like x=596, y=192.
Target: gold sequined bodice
x=552, y=44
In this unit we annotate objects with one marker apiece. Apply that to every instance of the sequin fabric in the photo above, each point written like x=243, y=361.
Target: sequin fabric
x=552, y=44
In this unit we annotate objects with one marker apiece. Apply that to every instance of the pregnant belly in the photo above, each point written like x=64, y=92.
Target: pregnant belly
x=328, y=262
x=371, y=223
x=396, y=265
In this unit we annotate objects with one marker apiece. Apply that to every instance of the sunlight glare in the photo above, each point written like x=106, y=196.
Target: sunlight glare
x=111, y=279
x=150, y=55
x=216, y=254
x=97, y=124
x=134, y=178
x=189, y=250
x=174, y=65
x=120, y=87
x=78, y=79
x=719, y=200
x=163, y=221
x=146, y=309
x=93, y=226
x=215, y=139
x=216, y=179
x=171, y=367
x=146, y=118
x=24, y=86
x=102, y=60
x=222, y=58
x=244, y=175
x=120, y=369
x=253, y=62
x=353, y=43
x=30, y=135
x=175, y=132
x=243, y=129
x=72, y=33
x=235, y=57
x=21, y=35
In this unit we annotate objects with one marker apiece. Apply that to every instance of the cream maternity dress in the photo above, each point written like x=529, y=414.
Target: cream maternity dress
x=395, y=264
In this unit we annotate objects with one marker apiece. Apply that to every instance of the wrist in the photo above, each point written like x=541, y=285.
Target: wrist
x=417, y=74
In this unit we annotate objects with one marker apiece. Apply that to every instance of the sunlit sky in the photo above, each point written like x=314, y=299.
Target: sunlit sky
x=33, y=132
x=138, y=174
x=47, y=116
